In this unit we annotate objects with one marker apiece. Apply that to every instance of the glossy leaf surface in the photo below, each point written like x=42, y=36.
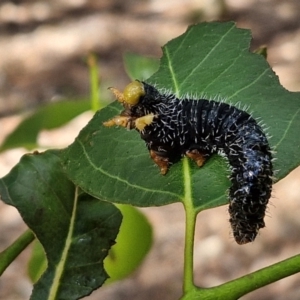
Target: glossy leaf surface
x=212, y=60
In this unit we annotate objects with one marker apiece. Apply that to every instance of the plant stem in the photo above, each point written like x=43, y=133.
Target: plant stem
x=94, y=82
x=188, y=282
x=239, y=287
x=243, y=285
x=9, y=254
x=190, y=219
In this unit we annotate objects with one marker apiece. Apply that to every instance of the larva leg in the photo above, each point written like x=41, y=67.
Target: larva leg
x=141, y=122
x=123, y=121
x=196, y=156
x=161, y=161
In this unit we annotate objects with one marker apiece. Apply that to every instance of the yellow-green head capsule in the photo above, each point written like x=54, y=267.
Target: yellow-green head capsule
x=132, y=92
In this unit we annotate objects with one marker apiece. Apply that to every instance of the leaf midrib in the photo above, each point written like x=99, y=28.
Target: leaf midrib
x=62, y=262
x=187, y=182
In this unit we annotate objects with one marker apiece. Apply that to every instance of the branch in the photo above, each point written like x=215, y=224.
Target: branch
x=9, y=254
x=234, y=289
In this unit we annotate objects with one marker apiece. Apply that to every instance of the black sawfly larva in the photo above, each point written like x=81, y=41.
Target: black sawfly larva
x=175, y=127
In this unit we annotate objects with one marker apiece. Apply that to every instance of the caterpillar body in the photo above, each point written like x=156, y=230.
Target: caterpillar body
x=173, y=128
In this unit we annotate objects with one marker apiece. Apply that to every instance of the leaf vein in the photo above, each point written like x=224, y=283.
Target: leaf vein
x=207, y=55
x=220, y=74
x=147, y=190
x=176, y=87
x=248, y=85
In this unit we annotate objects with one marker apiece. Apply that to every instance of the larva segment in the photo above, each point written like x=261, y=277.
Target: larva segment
x=197, y=128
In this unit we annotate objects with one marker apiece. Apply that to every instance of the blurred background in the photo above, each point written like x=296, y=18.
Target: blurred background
x=43, y=51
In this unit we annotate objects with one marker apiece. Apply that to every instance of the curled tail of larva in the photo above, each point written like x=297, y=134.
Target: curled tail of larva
x=249, y=194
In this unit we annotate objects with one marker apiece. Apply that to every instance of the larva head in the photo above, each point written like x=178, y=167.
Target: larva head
x=133, y=92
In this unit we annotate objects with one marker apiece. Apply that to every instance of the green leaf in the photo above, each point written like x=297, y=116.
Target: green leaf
x=37, y=264
x=75, y=229
x=140, y=67
x=50, y=116
x=133, y=243
x=210, y=59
